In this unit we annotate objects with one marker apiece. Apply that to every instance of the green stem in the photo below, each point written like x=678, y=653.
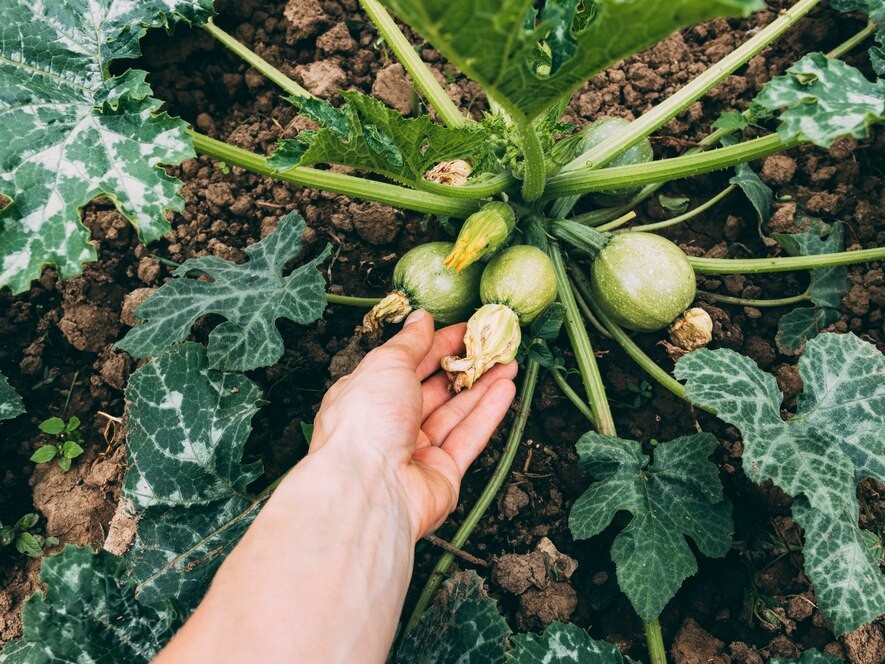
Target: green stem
x=256, y=62
x=759, y=304
x=784, y=263
x=856, y=40
x=350, y=301
x=474, y=191
x=349, y=185
x=571, y=395
x=577, y=182
x=582, y=348
x=675, y=220
x=624, y=341
x=526, y=394
x=535, y=169
x=588, y=314
x=654, y=641
x=675, y=104
x=421, y=74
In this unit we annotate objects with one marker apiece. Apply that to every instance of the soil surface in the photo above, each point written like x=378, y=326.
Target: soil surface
x=750, y=606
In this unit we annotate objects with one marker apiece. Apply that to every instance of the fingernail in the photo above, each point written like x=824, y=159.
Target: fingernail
x=415, y=316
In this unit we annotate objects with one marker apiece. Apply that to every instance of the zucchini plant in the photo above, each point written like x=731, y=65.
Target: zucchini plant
x=72, y=128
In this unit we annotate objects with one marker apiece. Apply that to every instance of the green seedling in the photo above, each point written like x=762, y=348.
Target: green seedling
x=26, y=537
x=68, y=446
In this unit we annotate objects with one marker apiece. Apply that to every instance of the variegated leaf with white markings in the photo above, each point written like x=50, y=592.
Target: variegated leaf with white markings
x=10, y=402
x=89, y=614
x=677, y=496
x=252, y=296
x=563, y=644
x=818, y=456
x=809, y=657
x=187, y=425
x=70, y=131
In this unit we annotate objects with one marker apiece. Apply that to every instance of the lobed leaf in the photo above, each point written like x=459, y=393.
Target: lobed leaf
x=563, y=644
x=463, y=625
x=187, y=425
x=251, y=296
x=69, y=131
x=527, y=62
x=818, y=456
x=848, y=584
x=366, y=134
x=809, y=657
x=825, y=99
x=89, y=614
x=11, y=404
x=677, y=496
x=826, y=288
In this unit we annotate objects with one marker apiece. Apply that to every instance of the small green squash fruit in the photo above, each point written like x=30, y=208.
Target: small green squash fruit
x=421, y=281
x=516, y=286
x=642, y=281
x=522, y=278
x=639, y=153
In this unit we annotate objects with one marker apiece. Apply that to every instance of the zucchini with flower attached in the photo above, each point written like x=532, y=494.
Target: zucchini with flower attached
x=642, y=281
x=483, y=233
x=421, y=281
x=516, y=286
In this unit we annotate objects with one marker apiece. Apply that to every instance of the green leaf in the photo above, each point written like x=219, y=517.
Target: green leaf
x=826, y=287
x=53, y=426
x=69, y=131
x=758, y=193
x=832, y=443
x=71, y=450
x=825, y=99
x=496, y=43
x=73, y=424
x=796, y=457
x=677, y=496
x=732, y=120
x=548, y=323
x=27, y=522
x=27, y=544
x=563, y=644
x=64, y=463
x=674, y=204
x=44, y=454
x=10, y=402
x=88, y=614
x=875, y=9
x=463, y=625
x=251, y=296
x=848, y=585
x=187, y=425
x=809, y=657
x=366, y=134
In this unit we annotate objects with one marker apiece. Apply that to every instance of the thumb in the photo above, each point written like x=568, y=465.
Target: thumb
x=415, y=340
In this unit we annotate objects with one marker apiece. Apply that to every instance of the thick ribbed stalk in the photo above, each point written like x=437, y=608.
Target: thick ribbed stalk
x=784, y=263
x=256, y=61
x=654, y=641
x=534, y=165
x=675, y=104
x=582, y=348
x=370, y=190
x=421, y=74
x=526, y=394
x=579, y=182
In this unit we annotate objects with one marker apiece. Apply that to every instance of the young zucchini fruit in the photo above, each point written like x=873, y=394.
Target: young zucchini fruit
x=516, y=286
x=482, y=235
x=642, y=281
x=421, y=281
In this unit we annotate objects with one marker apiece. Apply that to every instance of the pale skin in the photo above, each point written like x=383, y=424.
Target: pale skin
x=321, y=575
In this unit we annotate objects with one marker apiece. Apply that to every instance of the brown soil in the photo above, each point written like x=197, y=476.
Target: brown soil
x=753, y=605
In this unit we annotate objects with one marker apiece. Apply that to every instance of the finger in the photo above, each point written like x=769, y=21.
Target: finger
x=436, y=392
x=441, y=422
x=413, y=342
x=470, y=437
x=447, y=341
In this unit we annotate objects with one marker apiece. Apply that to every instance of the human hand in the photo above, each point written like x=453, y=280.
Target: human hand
x=396, y=410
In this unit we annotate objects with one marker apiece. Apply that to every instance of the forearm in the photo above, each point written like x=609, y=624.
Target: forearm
x=319, y=577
